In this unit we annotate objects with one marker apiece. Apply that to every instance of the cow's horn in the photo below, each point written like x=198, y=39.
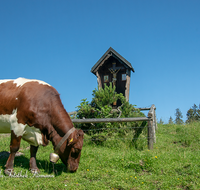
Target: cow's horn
x=54, y=157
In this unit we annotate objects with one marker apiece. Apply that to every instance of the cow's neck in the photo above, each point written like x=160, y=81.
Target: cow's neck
x=56, y=136
x=61, y=125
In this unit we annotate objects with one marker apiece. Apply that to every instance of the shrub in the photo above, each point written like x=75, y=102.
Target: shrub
x=101, y=106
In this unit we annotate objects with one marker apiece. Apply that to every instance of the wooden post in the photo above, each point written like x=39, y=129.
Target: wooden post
x=155, y=120
x=127, y=88
x=99, y=80
x=151, y=127
x=154, y=123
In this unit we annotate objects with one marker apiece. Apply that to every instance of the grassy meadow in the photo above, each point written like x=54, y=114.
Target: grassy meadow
x=174, y=163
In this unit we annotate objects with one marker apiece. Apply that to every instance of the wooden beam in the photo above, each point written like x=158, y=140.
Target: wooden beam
x=110, y=120
x=143, y=109
x=98, y=80
x=102, y=62
x=127, y=88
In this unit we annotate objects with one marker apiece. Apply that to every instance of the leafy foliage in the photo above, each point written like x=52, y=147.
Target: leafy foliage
x=193, y=114
x=171, y=120
x=179, y=117
x=101, y=106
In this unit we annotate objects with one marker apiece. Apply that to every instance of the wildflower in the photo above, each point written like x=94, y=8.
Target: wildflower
x=88, y=170
x=142, y=182
x=135, y=177
x=156, y=157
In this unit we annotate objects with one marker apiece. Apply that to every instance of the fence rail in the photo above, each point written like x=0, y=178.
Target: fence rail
x=152, y=124
x=111, y=120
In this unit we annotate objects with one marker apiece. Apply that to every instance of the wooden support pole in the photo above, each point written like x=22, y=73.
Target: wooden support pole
x=127, y=88
x=155, y=121
x=98, y=80
x=151, y=127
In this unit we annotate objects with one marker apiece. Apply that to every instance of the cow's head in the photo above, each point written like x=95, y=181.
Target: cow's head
x=70, y=151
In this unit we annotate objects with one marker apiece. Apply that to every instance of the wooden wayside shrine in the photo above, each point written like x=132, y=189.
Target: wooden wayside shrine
x=112, y=67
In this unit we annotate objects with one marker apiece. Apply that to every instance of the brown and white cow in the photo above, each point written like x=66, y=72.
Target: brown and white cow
x=32, y=110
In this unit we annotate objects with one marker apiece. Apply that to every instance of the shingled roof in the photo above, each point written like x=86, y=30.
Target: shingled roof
x=111, y=53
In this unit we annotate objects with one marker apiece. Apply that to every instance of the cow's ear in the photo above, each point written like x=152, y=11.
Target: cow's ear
x=70, y=141
x=80, y=133
x=73, y=138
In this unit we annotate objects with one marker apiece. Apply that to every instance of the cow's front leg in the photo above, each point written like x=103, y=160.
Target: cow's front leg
x=33, y=166
x=14, y=147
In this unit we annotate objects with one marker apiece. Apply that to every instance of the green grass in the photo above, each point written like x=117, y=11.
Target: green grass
x=172, y=164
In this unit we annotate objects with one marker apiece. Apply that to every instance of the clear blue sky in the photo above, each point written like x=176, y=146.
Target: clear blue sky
x=59, y=42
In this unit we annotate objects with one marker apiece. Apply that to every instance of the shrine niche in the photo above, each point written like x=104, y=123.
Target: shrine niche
x=112, y=67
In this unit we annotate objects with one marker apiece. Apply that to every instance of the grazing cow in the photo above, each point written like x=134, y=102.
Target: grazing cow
x=32, y=110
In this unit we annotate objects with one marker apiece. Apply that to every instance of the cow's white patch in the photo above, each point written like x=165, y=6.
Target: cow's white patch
x=6, y=80
x=21, y=81
x=17, y=128
x=30, y=134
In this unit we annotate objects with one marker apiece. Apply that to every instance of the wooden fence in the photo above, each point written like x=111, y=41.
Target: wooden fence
x=151, y=118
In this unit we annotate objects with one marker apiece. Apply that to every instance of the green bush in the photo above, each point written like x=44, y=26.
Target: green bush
x=101, y=106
